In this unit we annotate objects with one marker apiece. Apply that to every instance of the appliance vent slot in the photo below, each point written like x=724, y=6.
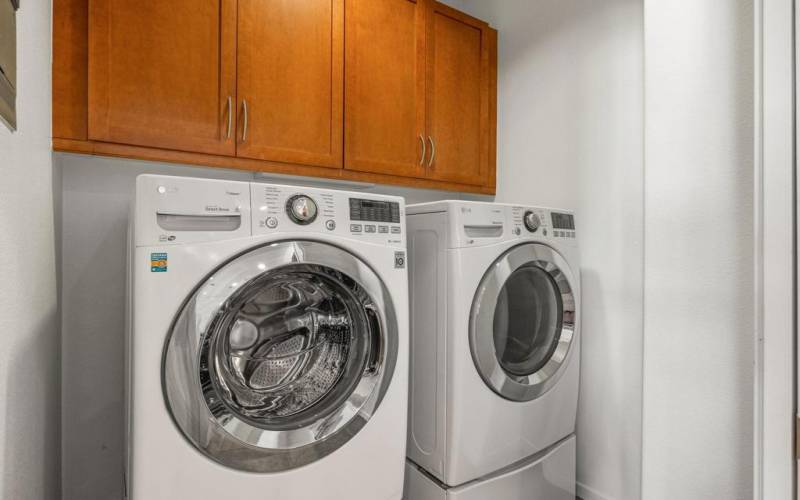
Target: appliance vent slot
x=484, y=231
x=193, y=222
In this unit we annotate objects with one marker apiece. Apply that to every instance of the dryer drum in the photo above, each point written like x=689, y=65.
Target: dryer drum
x=280, y=356
x=527, y=321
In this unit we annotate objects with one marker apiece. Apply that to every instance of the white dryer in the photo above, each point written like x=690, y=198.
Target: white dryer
x=267, y=343
x=495, y=349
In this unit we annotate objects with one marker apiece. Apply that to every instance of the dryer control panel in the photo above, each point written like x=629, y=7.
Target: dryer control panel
x=543, y=222
x=476, y=223
x=291, y=209
x=546, y=222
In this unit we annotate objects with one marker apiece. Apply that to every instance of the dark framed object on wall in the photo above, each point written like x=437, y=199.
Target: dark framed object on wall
x=8, y=62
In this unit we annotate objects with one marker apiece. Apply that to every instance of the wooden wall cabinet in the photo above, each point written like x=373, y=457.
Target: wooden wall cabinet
x=387, y=91
x=458, y=120
x=385, y=86
x=419, y=78
x=291, y=80
x=160, y=73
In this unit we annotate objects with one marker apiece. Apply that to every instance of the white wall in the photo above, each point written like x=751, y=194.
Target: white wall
x=698, y=357
x=29, y=350
x=570, y=135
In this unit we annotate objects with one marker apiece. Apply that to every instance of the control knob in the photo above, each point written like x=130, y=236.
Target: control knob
x=301, y=209
x=531, y=221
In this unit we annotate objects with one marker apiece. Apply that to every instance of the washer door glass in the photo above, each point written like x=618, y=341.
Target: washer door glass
x=523, y=322
x=280, y=356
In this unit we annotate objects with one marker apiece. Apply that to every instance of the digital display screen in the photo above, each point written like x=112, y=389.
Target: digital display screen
x=563, y=221
x=374, y=211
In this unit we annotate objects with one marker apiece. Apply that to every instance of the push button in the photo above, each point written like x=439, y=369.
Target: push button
x=395, y=229
x=369, y=229
x=272, y=222
x=383, y=229
x=330, y=225
x=355, y=228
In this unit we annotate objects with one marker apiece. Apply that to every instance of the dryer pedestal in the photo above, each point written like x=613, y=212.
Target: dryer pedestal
x=549, y=475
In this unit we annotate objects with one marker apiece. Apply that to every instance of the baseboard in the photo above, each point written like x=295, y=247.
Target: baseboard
x=587, y=493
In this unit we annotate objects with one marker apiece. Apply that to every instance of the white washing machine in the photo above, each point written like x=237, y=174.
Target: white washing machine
x=267, y=344
x=495, y=350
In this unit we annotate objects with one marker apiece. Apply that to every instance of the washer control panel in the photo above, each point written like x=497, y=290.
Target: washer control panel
x=531, y=221
x=382, y=211
x=375, y=218
x=302, y=209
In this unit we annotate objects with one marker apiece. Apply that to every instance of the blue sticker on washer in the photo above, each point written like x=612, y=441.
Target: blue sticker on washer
x=158, y=262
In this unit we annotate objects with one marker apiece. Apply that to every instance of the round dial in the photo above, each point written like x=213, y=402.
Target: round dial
x=301, y=209
x=531, y=221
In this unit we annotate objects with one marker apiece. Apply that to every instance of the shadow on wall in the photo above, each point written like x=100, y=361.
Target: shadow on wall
x=101, y=428
x=32, y=404
x=743, y=366
x=604, y=353
x=93, y=302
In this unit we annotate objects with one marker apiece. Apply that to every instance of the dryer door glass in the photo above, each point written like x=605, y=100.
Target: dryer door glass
x=527, y=320
x=280, y=356
x=523, y=322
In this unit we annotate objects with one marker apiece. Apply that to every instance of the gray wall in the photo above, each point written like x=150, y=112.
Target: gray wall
x=96, y=196
x=571, y=110
x=699, y=303
x=29, y=364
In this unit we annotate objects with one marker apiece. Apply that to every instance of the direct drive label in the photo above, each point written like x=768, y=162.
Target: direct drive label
x=158, y=262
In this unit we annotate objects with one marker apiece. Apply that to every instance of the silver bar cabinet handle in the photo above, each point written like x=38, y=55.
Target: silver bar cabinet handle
x=244, y=110
x=230, y=117
x=433, y=151
x=422, y=159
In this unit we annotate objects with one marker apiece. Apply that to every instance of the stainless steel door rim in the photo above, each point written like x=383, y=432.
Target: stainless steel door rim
x=280, y=356
x=541, y=311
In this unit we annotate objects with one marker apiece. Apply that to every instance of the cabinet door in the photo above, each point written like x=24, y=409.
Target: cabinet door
x=458, y=96
x=385, y=86
x=161, y=73
x=290, y=81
